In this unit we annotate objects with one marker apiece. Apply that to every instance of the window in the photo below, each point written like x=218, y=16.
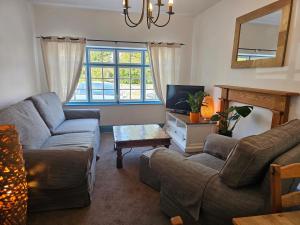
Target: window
x=115, y=75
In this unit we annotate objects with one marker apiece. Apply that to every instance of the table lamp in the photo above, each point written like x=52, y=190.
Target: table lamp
x=13, y=185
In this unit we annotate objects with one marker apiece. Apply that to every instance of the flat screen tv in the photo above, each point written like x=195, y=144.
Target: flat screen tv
x=179, y=93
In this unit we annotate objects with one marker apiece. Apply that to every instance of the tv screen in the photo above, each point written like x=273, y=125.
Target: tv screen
x=179, y=93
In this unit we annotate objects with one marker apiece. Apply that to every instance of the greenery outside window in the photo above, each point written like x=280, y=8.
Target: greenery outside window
x=115, y=75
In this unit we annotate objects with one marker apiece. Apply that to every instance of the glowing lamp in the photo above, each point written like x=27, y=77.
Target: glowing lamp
x=13, y=192
x=207, y=110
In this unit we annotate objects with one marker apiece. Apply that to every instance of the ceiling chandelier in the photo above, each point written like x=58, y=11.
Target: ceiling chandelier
x=149, y=10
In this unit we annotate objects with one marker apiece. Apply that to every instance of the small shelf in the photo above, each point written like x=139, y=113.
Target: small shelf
x=188, y=136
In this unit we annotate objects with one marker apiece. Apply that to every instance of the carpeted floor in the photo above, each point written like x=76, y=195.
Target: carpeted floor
x=119, y=198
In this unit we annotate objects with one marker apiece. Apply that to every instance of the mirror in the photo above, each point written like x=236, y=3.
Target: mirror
x=261, y=36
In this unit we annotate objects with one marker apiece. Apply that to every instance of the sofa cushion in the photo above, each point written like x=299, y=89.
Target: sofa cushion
x=72, y=140
x=58, y=168
x=77, y=126
x=208, y=160
x=252, y=156
x=50, y=108
x=32, y=129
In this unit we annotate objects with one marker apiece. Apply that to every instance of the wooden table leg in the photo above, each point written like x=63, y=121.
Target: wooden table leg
x=119, y=158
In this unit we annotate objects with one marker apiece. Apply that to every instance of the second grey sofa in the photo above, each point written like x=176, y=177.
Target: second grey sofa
x=229, y=179
x=60, y=150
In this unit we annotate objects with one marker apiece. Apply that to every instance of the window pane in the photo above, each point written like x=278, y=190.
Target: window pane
x=147, y=58
x=136, y=95
x=124, y=94
x=136, y=73
x=109, y=94
x=150, y=95
x=124, y=83
x=136, y=84
x=136, y=57
x=130, y=57
x=149, y=79
x=101, y=56
x=97, y=95
x=96, y=72
x=80, y=93
x=124, y=73
x=108, y=72
x=109, y=84
x=124, y=57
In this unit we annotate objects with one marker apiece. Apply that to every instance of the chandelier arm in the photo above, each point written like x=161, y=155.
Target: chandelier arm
x=158, y=25
x=141, y=18
x=158, y=14
x=130, y=25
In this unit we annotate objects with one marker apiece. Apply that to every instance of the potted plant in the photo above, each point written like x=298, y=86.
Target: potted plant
x=195, y=102
x=229, y=118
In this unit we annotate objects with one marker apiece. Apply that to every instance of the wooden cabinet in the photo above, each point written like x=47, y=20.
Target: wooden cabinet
x=188, y=136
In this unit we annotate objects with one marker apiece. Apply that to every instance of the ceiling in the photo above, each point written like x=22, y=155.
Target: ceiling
x=186, y=7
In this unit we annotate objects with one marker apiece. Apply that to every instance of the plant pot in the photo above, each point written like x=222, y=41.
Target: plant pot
x=194, y=117
x=226, y=133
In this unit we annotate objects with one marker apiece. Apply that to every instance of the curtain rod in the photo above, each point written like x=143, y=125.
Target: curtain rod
x=99, y=40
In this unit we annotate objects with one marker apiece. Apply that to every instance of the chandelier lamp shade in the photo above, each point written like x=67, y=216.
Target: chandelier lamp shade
x=148, y=8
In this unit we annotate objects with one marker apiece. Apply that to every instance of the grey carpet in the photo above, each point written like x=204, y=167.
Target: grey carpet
x=119, y=198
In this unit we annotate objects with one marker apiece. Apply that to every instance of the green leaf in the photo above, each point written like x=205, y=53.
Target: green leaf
x=244, y=111
x=215, y=117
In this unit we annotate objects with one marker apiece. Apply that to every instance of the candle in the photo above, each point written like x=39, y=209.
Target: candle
x=125, y=4
x=150, y=9
x=170, y=4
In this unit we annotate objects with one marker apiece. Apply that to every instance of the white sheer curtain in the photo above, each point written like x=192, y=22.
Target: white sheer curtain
x=63, y=58
x=165, y=61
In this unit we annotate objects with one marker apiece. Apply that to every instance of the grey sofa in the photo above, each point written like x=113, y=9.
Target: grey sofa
x=60, y=150
x=229, y=179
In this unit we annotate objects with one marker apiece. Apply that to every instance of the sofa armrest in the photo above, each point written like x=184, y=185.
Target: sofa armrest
x=219, y=146
x=183, y=180
x=57, y=168
x=82, y=114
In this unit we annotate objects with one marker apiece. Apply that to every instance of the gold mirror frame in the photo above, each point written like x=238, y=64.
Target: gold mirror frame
x=286, y=6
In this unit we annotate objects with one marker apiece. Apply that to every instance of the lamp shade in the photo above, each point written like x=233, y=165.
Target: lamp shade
x=13, y=186
x=207, y=110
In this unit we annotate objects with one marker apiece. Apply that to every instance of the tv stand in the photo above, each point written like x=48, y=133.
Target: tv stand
x=188, y=136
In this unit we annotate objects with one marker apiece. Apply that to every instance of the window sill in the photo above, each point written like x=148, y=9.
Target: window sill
x=112, y=103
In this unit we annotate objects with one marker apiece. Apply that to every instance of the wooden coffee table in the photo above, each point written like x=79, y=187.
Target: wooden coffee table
x=133, y=136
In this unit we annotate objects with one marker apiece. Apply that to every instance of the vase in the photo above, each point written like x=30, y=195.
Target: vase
x=194, y=117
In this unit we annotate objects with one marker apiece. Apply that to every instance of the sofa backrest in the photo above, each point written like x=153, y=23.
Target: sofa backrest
x=32, y=129
x=50, y=109
x=252, y=156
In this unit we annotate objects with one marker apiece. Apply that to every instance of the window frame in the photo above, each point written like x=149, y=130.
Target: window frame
x=115, y=65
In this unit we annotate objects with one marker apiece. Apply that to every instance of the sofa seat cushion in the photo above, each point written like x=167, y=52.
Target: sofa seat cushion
x=50, y=108
x=208, y=160
x=77, y=126
x=250, y=159
x=72, y=140
x=32, y=129
x=58, y=167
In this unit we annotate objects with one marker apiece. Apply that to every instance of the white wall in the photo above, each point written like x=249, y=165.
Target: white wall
x=68, y=21
x=17, y=61
x=213, y=41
